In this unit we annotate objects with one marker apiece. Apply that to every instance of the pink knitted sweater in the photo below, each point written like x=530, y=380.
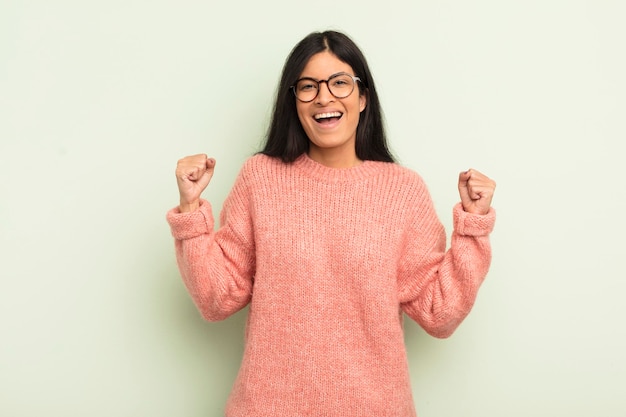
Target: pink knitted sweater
x=328, y=259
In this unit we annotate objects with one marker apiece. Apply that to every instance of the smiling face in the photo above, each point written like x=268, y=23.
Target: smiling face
x=329, y=122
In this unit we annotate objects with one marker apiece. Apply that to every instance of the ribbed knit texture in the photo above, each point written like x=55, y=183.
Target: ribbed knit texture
x=328, y=260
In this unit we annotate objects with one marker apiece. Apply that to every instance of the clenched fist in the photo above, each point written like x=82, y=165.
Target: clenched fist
x=476, y=191
x=193, y=174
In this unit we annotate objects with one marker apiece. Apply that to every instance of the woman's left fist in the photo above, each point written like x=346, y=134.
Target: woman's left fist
x=476, y=191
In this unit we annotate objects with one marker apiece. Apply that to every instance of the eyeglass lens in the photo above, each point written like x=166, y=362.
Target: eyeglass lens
x=340, y=86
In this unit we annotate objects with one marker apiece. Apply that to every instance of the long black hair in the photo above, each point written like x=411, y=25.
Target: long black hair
x=286, y=138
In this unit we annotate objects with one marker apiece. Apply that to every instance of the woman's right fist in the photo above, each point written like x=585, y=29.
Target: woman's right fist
x=193, y=174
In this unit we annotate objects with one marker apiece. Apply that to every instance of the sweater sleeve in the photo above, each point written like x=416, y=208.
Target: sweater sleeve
x=437, y=288
x=217, y=267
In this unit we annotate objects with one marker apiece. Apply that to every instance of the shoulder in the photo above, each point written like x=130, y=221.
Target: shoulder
x=404, y=188
x=401, y=171
x=260, y=160
x=400, y=175
x=255, y=176
x=259, y=164
x=259, y=171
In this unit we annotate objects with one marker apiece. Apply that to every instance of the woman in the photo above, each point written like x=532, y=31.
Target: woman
x=329, y=242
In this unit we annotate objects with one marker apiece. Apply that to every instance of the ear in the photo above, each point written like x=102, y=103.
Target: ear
x=362, y=101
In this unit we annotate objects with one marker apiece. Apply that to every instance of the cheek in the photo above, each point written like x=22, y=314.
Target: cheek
x=301, y=114
x=357, y=107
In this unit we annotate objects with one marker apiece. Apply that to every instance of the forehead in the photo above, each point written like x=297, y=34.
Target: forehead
x=324, y=64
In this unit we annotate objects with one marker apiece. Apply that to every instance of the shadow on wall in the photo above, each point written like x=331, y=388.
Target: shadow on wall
x=209, y=354
x=425, y=353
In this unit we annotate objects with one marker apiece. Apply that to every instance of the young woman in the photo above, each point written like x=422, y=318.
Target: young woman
x=329, y=242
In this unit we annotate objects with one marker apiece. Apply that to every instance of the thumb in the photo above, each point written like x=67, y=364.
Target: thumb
x=467, y=192
x=208, y=173
x=464, y=192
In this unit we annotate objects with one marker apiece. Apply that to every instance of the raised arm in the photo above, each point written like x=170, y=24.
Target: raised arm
x=438, y=288
x=217, y=267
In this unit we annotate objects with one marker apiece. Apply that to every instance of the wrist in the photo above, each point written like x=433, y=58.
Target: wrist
x=186, y=206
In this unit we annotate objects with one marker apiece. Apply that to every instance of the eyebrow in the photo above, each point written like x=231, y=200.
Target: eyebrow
x=320, y=79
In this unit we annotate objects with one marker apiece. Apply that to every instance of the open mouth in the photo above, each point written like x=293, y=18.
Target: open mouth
x=327, y=117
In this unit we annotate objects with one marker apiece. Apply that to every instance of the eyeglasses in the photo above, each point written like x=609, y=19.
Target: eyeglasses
x=340, y=85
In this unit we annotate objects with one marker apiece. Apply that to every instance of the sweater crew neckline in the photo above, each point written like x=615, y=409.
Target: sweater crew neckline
x=324, y=173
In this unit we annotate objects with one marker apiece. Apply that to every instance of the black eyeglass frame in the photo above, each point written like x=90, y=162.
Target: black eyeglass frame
x=355, y=79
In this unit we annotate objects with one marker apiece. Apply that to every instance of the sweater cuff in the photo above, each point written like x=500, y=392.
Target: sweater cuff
x=191, y=224
x=469, y=224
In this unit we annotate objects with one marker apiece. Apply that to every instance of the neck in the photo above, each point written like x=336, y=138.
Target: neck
x=334, y=159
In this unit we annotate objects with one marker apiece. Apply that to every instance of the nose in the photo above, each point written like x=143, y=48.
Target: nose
x=324, y=95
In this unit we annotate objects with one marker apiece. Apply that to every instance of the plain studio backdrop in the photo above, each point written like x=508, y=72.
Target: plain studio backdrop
x=99, y=99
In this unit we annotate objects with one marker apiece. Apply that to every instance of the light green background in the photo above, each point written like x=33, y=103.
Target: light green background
x=98, y=100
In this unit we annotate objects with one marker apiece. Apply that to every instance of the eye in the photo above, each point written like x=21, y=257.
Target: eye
x=306, y=85
x=341, y=81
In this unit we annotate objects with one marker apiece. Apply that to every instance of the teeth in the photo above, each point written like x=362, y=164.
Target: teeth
x=327, y=115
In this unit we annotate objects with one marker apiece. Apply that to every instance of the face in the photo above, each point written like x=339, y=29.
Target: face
x=329, y=122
